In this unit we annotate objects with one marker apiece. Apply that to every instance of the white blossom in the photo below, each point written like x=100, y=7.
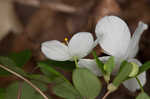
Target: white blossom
x=79, y=46
x=115, y=39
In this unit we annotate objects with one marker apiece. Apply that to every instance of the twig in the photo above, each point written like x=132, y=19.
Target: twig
x=19, y=91
x=106, y=95
x=26, y=80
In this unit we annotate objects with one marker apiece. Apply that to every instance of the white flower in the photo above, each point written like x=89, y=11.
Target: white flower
x=115, y=40
x=79, y=46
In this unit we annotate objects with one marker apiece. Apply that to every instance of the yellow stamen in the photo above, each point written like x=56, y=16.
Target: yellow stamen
x=66, y=40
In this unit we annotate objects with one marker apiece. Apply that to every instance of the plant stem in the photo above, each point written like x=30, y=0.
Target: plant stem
x=106, y=95
x=139, y=84
x=76, y=62
x=19, y=91
x=26, y=80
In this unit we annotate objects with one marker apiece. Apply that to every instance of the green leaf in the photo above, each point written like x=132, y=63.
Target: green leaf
x=65, y=90
x=99, y=63
x=2, y=93
x=27, y=92
x=126, y=68
x=144, y=67
x=109, y=65
x=122, y=65
x=39, y=78
x=108, y=68
x=21, y=58
x=7, y=62
x=65, y=65
x=86, y=83
x=49, y=71
x=143, y=95
x=4, y=72
x=41, y=86
x=11, y=91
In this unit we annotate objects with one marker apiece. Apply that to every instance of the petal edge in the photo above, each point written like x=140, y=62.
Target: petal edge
x=55, y=50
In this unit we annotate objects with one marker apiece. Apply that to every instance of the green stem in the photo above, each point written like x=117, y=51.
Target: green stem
x=139, y=84
x=76, y=61
x=107, y=78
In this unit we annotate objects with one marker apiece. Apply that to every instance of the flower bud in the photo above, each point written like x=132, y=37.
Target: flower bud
x=135, y=70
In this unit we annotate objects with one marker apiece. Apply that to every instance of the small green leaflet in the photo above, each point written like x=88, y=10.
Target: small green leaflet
x=7, y=62
x=108, y=68
x=122, y=65
x=65, y=65
x=99, y=63
x=50, y=71
x=27, y=92
x=126, y=68
x=86, y=83
x=144, y=67
x=109, y=65
x=62, y=86
x=143, y=95
x=65, y=90
x=39, y=78
x=21, y=58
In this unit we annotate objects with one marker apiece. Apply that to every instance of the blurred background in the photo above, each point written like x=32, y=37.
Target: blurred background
x=25, y=24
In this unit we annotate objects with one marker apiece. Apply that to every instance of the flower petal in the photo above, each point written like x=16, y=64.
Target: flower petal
x=134, y=42
x=55, y=50
x=91, y=65
x=104, y=58
x=114, y=35
x=81, y=44
x=133, y=85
